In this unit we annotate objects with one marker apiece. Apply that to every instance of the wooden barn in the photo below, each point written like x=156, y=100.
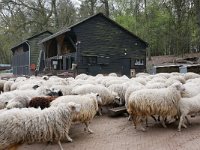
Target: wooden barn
x=25, y=55
x=94, y=45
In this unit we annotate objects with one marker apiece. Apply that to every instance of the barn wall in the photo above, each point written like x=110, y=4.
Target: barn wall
x=35, y=48
x=99, y=37
x=20, y=60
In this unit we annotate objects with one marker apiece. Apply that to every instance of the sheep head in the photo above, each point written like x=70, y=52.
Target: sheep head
x=178, y=86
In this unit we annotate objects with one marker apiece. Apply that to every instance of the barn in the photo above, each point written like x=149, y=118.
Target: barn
x=25, y=54
x=94, y=45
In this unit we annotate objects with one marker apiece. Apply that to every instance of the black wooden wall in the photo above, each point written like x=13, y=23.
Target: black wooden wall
x=104, y=41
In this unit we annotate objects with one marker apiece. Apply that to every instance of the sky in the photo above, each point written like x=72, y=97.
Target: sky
x=76, y=2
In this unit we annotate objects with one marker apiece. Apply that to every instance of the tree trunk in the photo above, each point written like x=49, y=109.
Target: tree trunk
x=197, y=10
x=55, y=13
x=106, y=6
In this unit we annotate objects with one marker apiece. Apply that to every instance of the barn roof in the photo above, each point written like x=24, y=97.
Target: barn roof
x=87, y=19
x=26, y=40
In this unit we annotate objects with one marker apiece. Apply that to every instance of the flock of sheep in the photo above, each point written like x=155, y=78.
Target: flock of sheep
x=42, y=109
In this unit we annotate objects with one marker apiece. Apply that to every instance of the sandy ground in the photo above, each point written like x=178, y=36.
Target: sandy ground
x=119, y=134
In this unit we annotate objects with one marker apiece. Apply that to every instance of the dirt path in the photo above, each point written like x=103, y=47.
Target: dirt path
x=119, y=134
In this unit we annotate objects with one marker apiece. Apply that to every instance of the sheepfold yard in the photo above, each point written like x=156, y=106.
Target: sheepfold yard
x=119, y=134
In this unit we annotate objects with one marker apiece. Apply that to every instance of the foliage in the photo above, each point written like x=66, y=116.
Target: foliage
x=169, y=26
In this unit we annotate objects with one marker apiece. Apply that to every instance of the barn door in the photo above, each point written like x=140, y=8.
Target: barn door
x=125, y=66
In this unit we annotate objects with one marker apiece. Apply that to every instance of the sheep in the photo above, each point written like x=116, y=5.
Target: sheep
x=162, y=102
x=179, y=78
x=140, y=80
x=130, y=90
x=191, y=89
x=30, y=125
x=27, y=86
x=2, y=82
x=156, y=85
x=191, y=75
x=42, y=102
x=120, y=89
x=66, y=90
x=142, y=74
x=171, y=81
x=107, y=96
x=111, y=82
x=188, y=106
x=89, y=107
x=165, y=75
x=7, y=86
x=18, y=102
x=82, y=76
x=112, y=74
x=7, y=96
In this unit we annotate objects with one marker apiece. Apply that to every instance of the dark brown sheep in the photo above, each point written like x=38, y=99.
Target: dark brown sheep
x=42, y=102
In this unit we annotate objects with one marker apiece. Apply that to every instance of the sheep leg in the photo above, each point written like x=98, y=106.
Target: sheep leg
x=180, y=123
x=129, y=118
x=68, y=138
x=141, y=123
x=154, y=118
x=159, y=118
x=188, y=121
x=100, y=111
x=134, y=119
x=60, y=146
x=146, y=121
x=87, y=128
x=184, y=125
x=163, y=122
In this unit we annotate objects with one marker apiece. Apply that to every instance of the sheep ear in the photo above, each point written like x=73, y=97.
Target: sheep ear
x=73, y=107
x=60, y=93
x=35, y=87
x=6, y=103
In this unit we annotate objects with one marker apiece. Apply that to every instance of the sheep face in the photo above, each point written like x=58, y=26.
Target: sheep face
x=179, y=87
x=3, y=105
x=14, y=105
x=118, y=101
x=99, y=100
x=55, y=92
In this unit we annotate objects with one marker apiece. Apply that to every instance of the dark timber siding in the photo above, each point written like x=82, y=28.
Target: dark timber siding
x=100, y=37
x=27, y=53
x=35, y=48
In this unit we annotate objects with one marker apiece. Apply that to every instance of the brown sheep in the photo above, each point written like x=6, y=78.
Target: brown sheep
x=42, y=102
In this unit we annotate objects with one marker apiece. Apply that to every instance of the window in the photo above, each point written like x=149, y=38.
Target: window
x=91, y=60
x=139, y=62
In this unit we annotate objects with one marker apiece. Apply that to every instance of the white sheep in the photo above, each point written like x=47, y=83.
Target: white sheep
x=162, y=102
x=7, y=86
x=30, y=125
x=89, y=107
x=120, y=89
x=18, y=102
x=191, y=75
x=66, y=90
x=2, y=82
x=107, y=96
x=131, y=89
x=82, y=76
x=191, y=89
x=188, y=106
x=156, y=85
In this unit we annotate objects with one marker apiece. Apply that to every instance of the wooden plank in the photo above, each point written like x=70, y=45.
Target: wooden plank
x=113, y=112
